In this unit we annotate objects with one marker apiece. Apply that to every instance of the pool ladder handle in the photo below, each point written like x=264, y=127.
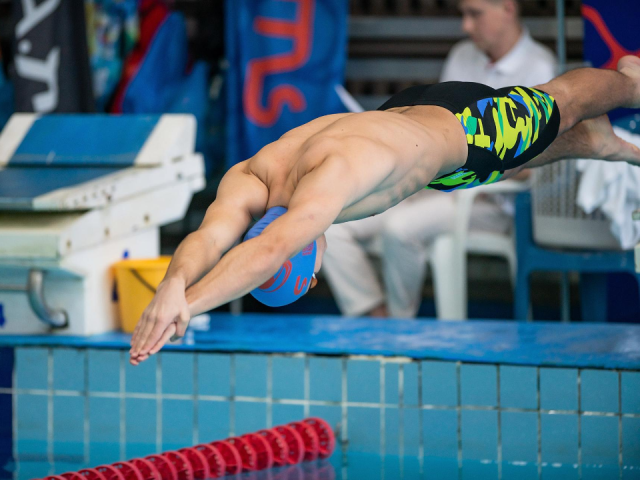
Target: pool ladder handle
x=56, y=318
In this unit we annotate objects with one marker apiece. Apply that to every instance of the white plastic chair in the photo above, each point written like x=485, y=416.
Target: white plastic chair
x=448, y=258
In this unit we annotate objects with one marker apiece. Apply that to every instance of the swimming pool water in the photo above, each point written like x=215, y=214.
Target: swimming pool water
x=344, y=465
x=521, y=402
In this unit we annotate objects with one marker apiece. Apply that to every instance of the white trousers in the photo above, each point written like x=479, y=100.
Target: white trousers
x=401, y=236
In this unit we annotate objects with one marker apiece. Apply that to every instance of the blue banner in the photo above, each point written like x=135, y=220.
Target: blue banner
x=285, y=59
x=610, y=32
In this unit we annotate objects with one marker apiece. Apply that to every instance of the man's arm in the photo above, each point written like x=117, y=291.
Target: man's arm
x=317, y=201
x=240, y=197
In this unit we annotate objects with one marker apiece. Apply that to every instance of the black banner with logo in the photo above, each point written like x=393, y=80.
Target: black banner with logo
x=51, y=69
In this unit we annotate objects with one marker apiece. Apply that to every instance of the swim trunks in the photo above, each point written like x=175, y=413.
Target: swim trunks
x=505, y=128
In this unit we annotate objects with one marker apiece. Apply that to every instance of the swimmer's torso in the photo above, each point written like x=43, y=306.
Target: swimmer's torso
x=445, y=136
x=390, y=155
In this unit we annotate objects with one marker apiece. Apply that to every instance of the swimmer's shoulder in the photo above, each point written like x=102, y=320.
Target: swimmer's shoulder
x=314, y=126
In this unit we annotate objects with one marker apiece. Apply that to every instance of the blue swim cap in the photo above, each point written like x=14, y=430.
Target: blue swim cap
x=293, y=279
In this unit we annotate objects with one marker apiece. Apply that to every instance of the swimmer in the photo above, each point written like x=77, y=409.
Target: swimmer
x=344, y=167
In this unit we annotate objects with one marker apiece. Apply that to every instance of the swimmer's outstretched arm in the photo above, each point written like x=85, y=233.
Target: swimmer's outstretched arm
x=317, y=201
x=240, y=197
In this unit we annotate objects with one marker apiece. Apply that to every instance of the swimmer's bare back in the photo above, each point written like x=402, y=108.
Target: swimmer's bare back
x=388, y=156
x=345, y=167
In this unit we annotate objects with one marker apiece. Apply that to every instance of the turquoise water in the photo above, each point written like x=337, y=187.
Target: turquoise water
x=345, y=465
x=66, y=408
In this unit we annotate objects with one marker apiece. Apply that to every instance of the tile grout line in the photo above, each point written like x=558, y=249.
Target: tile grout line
x=50, y=409
x=499, y=419
x=459, y=415
x=159, y=403
x=343, y=405
x=293, y=401
x=344, y=401
x=196, y=404
x=383, y=445
x=401, y=418
x=269, y=391
x=232, y=395
x=307, y=386
x=420, y=422
x=14, y=420
x=620, y=437
x=579, y=386
x=539, y=423
x=123, y=408
x=87, y=424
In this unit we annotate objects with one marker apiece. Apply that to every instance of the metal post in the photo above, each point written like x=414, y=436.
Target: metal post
x=561, y=40
x=236, y=306
x=565, y=298
x=55, y=318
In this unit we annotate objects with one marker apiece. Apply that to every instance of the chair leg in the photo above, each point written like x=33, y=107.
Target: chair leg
x=593, y=297
x=512, y=260
x=565, y=298
x=522, y=299
x=449, y=280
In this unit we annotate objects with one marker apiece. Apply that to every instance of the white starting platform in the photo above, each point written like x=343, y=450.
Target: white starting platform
x=78, y=193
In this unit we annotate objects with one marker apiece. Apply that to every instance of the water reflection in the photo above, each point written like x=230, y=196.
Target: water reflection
x=322, y=470
x=26, y=470
x=361, y=466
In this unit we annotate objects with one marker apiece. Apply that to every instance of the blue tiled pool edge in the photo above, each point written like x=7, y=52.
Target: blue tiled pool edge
x=611, y=346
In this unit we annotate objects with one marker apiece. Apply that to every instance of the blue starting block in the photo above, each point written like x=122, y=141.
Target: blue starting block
x=77, y=194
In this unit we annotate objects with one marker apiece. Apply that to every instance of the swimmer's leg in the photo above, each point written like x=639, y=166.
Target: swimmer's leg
x=593, y=138
x=590, y=92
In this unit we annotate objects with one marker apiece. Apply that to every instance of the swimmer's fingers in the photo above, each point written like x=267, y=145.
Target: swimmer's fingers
x=183, y=323
x=138, y=360
x=168, y=306
x=135, y=358
x=141, y=328
x=136, y=332
x=156, y=331
x=168, y=333
x=166, y=336
x=145, y=326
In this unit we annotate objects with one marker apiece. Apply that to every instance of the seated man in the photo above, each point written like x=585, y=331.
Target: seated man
x=500, y=52
x=344, y=167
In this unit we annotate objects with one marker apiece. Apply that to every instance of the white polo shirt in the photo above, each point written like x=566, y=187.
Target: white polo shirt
x=528, y=63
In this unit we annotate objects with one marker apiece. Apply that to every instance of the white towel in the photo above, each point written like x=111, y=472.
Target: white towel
x=614, y=188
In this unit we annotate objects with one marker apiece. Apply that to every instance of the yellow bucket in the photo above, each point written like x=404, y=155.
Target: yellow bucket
x=136, y=281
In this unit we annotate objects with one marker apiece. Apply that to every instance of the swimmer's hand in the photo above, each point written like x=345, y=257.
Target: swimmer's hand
x=166, y=318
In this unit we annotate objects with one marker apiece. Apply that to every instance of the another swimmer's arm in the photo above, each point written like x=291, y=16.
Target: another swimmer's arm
x=316, y=203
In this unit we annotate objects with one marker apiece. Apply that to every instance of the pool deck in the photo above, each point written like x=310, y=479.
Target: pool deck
x=482, y=341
